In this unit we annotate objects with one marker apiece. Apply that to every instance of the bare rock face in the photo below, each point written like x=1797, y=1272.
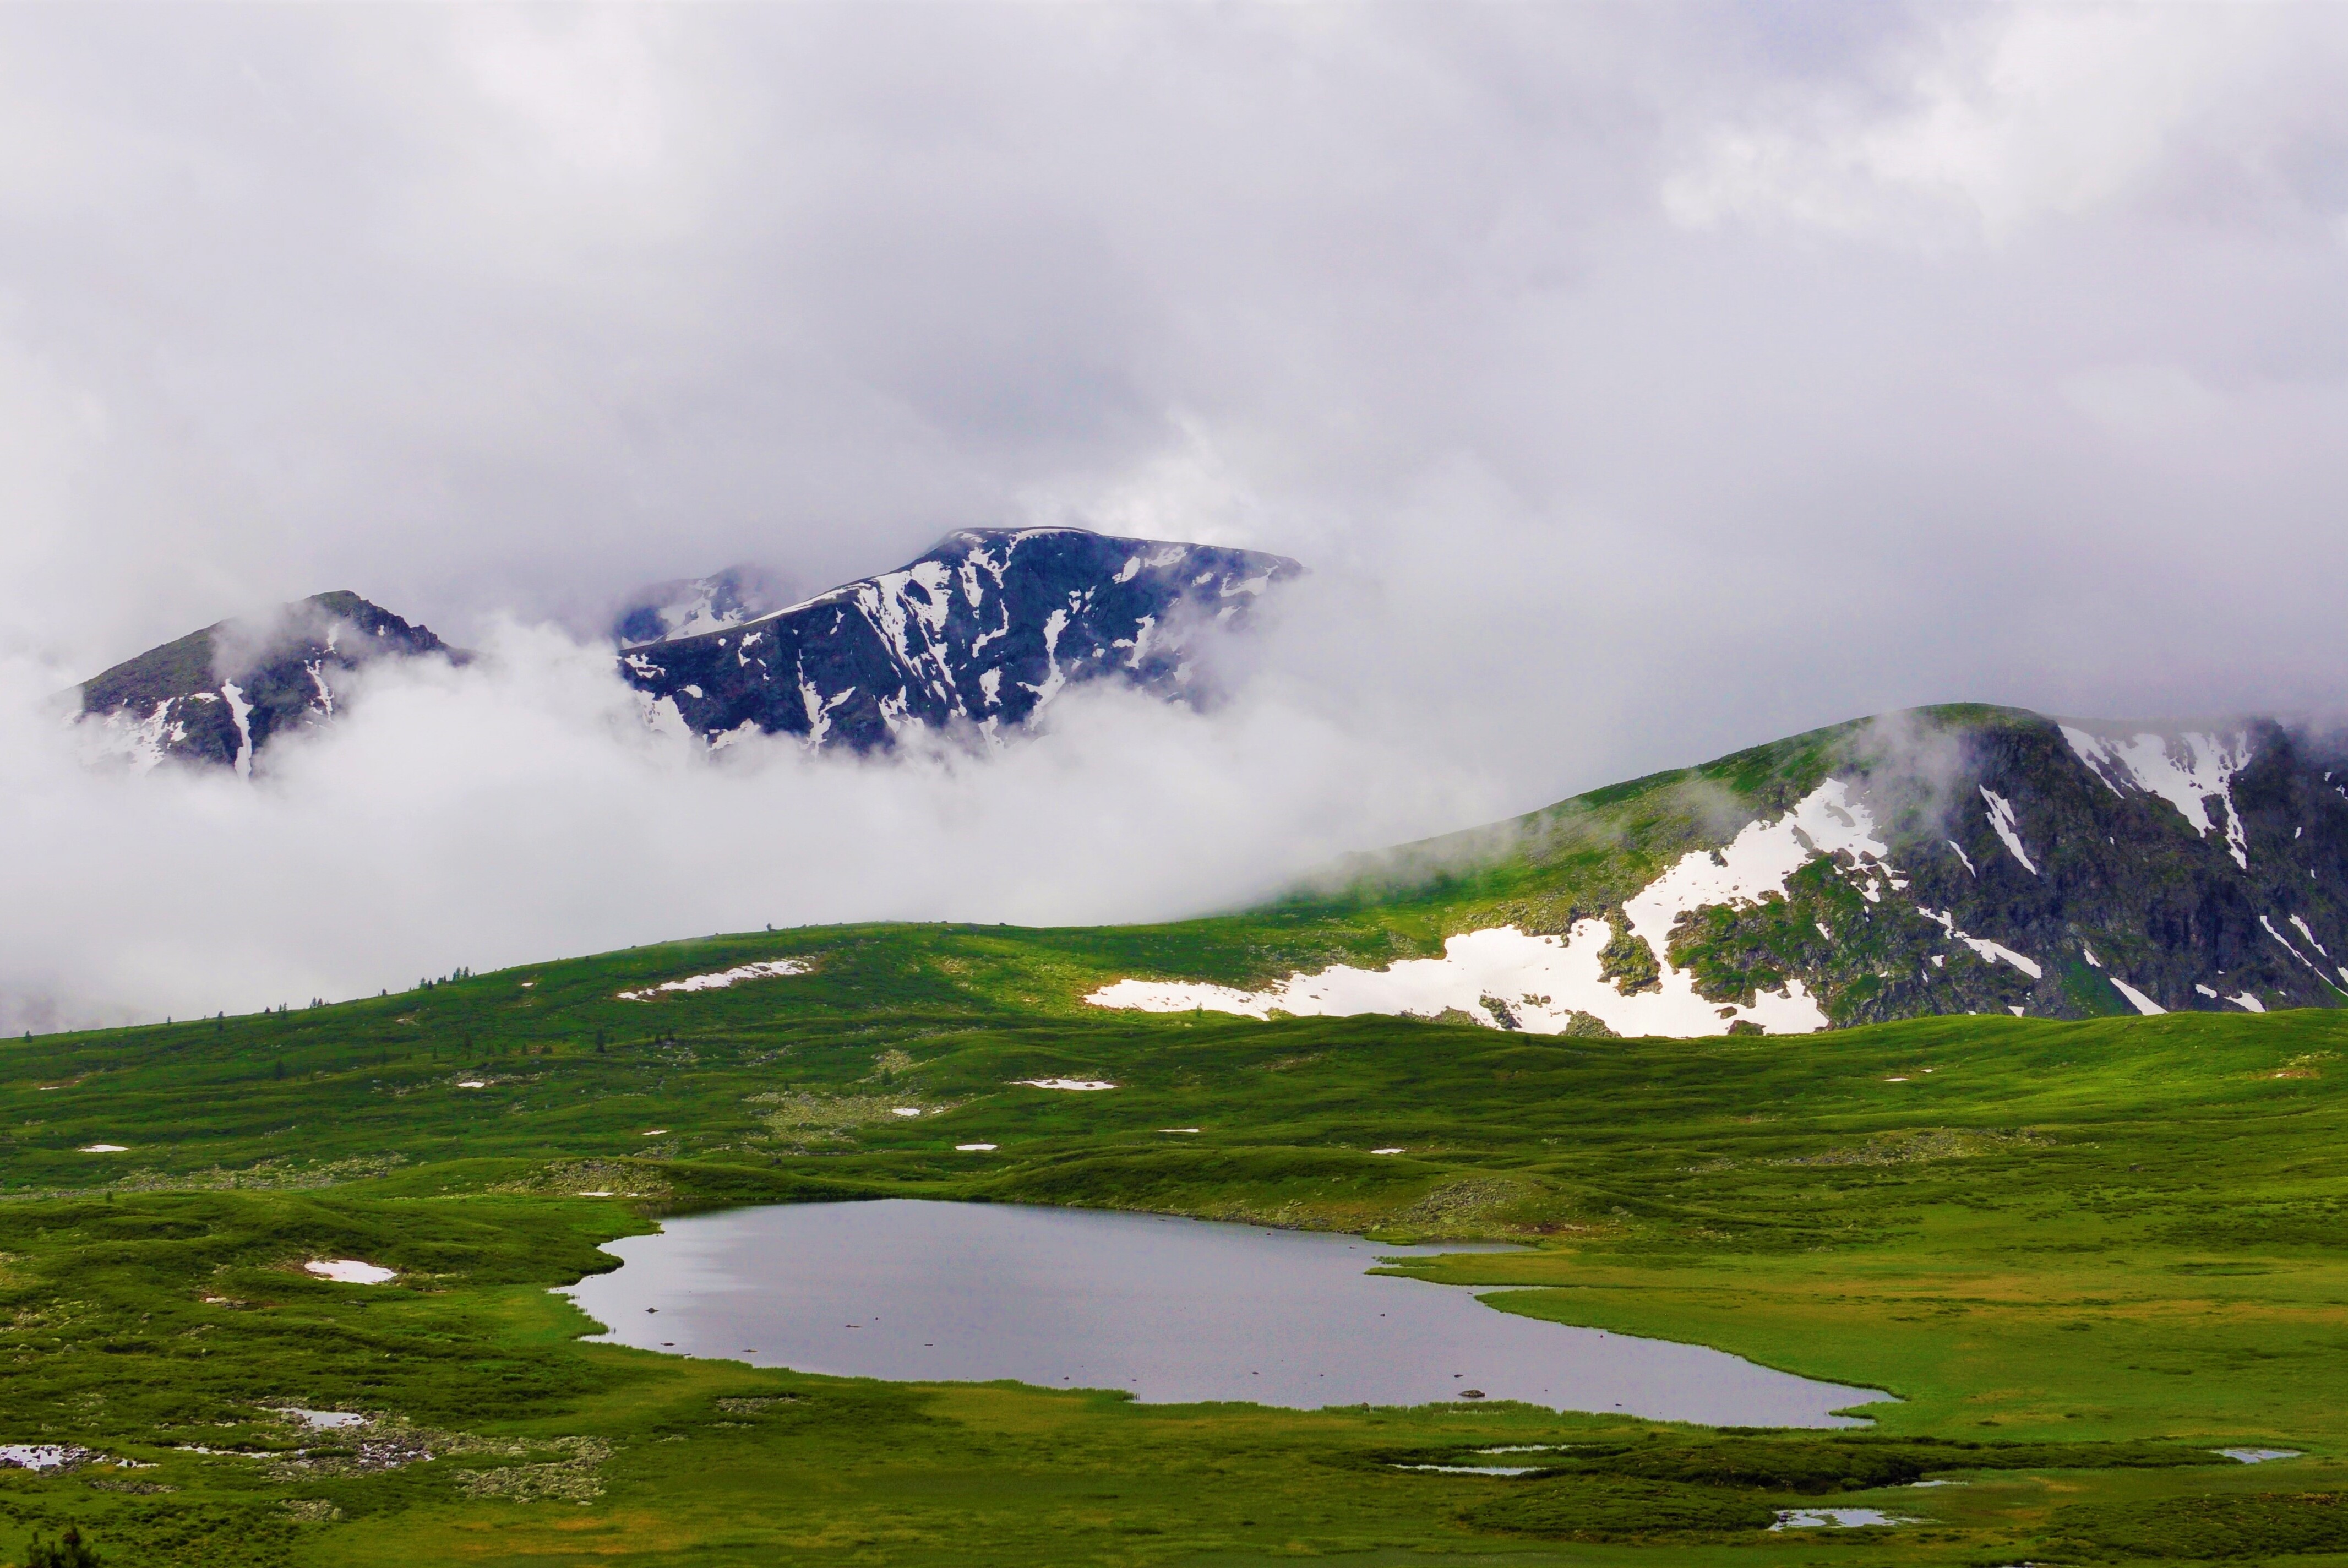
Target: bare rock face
x=2061, y=868
x=1950, y=861
x=218, y=696
x=979, y=634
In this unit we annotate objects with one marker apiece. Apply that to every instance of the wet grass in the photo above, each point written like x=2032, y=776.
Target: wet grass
x=2082, y=1254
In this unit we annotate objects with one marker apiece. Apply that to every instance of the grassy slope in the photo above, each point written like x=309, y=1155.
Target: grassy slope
x=2080, y=1234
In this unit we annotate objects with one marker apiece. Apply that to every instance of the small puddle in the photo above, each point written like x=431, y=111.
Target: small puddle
x=2259, y=1456
x=1473, y=1469
x=1834, y=1518
x=322, y=1420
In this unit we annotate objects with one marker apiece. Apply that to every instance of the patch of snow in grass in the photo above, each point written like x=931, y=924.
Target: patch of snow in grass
x=1178, y=1129
x=43, y=1455
x=906, y=1110
x=1386, y=1150
x=104, y=1148
x=974, y=1147
x=774, y=970
x=471, y=1083
x=2137, y=999
x=1546, y=979
x=350, y=1271
x=655, y=1131
x=1081, y=1085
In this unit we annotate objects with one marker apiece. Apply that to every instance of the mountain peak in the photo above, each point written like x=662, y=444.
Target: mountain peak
x=218, y=695
x=981, y=632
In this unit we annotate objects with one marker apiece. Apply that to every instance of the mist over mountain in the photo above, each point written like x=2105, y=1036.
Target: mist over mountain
x=218, y=696
x=693, y=606
x=979, y=634
x=1944, y=861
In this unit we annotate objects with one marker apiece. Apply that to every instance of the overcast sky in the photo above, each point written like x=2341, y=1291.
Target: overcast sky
x=1640, y=381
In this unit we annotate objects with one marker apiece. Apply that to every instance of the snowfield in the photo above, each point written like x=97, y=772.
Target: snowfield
x=2187, y=772
x=1542, y=981
x=775, y=970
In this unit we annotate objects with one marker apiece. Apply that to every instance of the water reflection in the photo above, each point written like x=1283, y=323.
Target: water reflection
x=1169, y=1310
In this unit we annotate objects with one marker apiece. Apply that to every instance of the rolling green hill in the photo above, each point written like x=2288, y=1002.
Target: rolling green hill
x=2086, y=1243
x=2083, y=1254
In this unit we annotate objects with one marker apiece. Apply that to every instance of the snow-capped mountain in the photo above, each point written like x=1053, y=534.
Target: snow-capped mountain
x=1945, y=861
x=981, y=633
x=697, y=606
x=218, y=694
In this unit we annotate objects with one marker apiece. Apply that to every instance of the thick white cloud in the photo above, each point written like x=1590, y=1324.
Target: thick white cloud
x=520, y=808
x=1639, y=381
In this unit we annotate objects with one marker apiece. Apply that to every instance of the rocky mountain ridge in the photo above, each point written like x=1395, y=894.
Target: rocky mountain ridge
x=975, y=636
x=1948, y=861
x=218, y=696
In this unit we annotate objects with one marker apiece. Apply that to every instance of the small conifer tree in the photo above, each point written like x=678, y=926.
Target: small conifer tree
x=68, y=1552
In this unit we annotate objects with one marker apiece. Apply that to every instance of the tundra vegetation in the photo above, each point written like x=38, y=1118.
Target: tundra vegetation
x=2083, y=1255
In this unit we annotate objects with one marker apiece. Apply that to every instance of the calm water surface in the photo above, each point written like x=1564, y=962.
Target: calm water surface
x=1171, y=1310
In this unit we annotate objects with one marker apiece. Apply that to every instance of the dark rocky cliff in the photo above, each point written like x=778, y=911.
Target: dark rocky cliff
x=979, y=634
x=218, y=696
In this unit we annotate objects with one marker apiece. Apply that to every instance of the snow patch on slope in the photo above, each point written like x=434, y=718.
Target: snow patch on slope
x=242, y=712
x=1946, y=920
x=2186, y=771
x=2001, y=817
x=1542, y=981
x=773, y=970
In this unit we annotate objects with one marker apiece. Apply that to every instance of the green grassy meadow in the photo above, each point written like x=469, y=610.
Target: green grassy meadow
x=2082, y=1254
